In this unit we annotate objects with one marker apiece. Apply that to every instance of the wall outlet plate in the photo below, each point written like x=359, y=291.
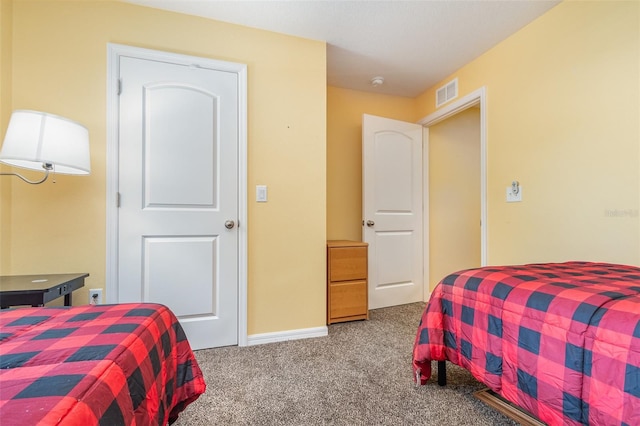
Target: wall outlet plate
x=95, y=296
x=514, y=198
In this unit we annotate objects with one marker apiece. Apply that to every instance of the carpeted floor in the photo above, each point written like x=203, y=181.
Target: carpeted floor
x=358, y=375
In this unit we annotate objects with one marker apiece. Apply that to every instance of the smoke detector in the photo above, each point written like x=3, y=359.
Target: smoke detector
x=377, y=81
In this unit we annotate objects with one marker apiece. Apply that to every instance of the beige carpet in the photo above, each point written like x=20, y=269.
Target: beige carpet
x=358, y=375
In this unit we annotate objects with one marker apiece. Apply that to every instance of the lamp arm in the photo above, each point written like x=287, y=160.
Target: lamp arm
x=32, y=182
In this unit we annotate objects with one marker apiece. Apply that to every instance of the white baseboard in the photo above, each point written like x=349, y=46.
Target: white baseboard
x=282, y=336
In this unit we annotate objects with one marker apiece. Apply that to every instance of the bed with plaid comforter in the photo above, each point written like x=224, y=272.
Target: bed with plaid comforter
x=560, y=340
x=126, y=364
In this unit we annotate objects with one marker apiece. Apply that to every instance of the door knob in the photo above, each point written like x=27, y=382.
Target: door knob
x=370, y=223
x=229, y=224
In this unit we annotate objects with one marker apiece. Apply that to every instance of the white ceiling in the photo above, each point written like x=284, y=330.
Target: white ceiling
x=412, y=44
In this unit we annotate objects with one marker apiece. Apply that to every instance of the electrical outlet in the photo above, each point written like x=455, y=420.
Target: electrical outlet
x=514, y=197
x=95, y=296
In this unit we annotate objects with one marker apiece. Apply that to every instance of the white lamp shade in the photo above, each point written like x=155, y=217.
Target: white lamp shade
x=34, y=138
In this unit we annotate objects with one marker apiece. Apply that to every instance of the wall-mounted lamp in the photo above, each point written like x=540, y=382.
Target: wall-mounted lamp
x=40, y=141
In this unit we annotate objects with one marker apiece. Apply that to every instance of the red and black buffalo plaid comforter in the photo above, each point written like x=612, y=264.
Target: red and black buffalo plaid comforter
x=560, y=340
x=127, y=364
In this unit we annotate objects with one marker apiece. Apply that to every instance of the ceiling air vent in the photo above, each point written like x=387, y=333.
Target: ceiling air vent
x=447, y=92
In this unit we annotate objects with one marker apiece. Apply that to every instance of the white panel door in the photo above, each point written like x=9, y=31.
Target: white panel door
x=178, y=185
x=392, y=210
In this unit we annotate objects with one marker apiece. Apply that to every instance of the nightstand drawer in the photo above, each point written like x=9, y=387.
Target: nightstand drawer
x=348, y=299
x=347, y=263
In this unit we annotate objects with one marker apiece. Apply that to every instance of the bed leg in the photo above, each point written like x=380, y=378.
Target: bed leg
x=442, y=373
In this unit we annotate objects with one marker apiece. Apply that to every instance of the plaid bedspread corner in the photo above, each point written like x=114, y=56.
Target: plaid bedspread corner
x=560, y=340
x=109, y=364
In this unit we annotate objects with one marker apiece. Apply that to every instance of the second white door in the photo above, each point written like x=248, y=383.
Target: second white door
x=392, y=210
x=178, y=185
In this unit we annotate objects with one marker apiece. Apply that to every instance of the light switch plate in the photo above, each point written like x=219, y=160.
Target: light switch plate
x=511, y=198
x=261, y=193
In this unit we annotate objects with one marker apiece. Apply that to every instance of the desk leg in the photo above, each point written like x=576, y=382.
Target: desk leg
x=67, y=299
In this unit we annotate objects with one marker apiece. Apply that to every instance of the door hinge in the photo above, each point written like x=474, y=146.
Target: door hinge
x=119, y=86
x=117, y=199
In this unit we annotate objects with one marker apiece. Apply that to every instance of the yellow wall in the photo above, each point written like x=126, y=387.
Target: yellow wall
x=6, y=29
x=59, y=65
x=454, y=195
x=344, y=153
x=563, y=98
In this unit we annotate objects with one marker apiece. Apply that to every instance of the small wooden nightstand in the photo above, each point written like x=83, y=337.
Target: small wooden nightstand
x=347, y=296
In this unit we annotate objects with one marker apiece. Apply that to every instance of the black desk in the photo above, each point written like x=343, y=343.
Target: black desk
x=36, y=290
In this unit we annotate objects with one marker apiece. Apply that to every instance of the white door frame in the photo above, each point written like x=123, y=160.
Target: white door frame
x=478, y=97
x=114, y=52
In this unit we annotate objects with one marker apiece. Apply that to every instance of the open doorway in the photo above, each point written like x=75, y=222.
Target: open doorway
x=455, y=179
